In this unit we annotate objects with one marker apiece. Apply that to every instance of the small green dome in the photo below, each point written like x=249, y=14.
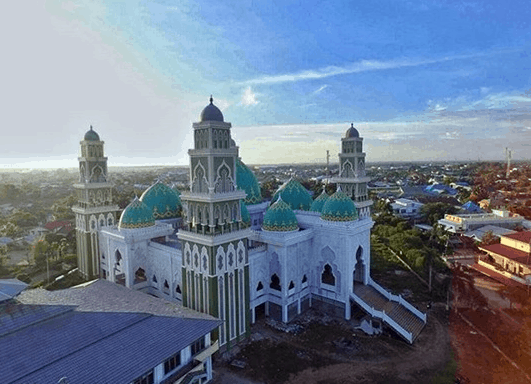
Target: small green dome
x=136, y=215
x=162, y=200
x=246, y=217
x=246, y=181
x=318, y=204
x=91, y=135
x=295, y=195
x=339, y=207
x=280, y=217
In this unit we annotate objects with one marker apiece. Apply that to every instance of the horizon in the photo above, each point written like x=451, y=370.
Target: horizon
x=423, y=81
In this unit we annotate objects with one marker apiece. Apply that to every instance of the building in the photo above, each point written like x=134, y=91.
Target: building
x=407, y=209
x=94, y=209
x=236, y=257
x=511, y=258
x=103, y=333
x=462, y=223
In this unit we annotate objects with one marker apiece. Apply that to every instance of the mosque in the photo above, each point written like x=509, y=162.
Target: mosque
x=218, y=248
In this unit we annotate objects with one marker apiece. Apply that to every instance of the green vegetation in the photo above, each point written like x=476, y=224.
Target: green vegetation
x=433, y=212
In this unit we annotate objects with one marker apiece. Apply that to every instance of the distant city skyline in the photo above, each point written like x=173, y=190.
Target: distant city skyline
x=421, y=80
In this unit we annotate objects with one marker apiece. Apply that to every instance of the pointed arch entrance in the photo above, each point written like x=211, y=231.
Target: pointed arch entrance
x=358, y=276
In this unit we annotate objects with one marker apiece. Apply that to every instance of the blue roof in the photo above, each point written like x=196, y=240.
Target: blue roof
x=162, y=200
x=295, y=195
x=211, y=113
x=91, y=135
x=437, y=189
x=136, y=215
x=9, y=288
x=246, y=180
x=470, y=206
x=82, y=346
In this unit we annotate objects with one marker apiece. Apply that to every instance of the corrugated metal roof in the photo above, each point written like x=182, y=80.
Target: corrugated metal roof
x=99, y=333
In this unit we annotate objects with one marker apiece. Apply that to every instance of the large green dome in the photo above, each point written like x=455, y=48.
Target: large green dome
x=339, y=207
x=136, y=215
x=246, y=180
x=246, y=217
x=280, y=217
x=318, y=204
x=295, y=195
x=163, y=201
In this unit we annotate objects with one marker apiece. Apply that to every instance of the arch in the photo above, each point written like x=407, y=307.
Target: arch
x=154, y=279
x=347, y=170
x=140, y=276
x=215, y=138
x=97, y=174
x=260, y=286
x=327, y=276
x=178, y=289
x=358, y=275
x=166, y=285
x=117, y=257
x=224, y=181
x=304, y=279
x=275, y=283
x=291, y=285
x=199, y=183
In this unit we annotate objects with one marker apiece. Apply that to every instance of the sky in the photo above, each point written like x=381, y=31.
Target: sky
x=420, y=80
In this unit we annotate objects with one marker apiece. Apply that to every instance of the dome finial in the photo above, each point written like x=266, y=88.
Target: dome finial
x=351, y=125
x=211, y=99
x=91, y=127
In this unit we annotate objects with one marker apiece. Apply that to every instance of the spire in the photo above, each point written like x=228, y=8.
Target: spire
x=211, y=100
x=91, y=127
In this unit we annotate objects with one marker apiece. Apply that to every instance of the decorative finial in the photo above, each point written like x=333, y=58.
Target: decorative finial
x=91, y=127
x=211, y=99
x=351, y=125
x=338, y=188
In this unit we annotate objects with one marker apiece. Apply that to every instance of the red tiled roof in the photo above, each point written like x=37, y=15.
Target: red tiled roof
x=508, y=252
x=58, y=224
x=497, y=276
x=520, y=236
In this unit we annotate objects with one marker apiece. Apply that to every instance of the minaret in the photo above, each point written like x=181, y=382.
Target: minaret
x=94, y=208
x=214, y=239
x=352, y=178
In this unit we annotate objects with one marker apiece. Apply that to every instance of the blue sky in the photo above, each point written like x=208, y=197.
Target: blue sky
x=421, y=80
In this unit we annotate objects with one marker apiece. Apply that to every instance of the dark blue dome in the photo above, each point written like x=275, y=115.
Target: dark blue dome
x=91, y=135
x=352, y=132
x=211, y=113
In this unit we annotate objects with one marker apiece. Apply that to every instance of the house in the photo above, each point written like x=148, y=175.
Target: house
x=101, y=332
x=511, y=258
x=406, y=208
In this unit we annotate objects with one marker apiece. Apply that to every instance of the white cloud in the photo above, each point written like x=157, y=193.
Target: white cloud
x=321, y=89
x=360, y=66
x=249, y=97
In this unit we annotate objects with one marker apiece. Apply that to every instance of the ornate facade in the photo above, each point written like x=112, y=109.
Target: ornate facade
x=235, y=257
x=94, y=209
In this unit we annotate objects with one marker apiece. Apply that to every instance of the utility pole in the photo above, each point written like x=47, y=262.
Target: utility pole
x=327, y=164
x=508, y=156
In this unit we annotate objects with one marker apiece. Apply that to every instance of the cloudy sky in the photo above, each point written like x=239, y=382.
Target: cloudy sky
x=421, y=80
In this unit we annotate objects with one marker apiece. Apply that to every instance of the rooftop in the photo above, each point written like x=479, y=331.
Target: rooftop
x=508, y=252
x=524, y=237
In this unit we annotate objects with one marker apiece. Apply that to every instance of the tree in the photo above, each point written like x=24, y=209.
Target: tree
x=433, y=212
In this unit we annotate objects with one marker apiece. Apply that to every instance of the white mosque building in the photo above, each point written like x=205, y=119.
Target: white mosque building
x=218, y=248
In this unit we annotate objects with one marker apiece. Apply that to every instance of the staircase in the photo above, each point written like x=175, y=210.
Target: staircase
x=392, y=309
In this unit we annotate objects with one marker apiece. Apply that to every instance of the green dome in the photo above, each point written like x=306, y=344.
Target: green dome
x=246, y=181
x=91, y=135
x=295, y=195
x=163, y=201
x=339, y=207
x=280, y=217
x=246, y=217
x=318, y=204
x=136, y=215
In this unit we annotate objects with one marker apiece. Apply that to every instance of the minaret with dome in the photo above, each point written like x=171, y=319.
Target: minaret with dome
x=214, y=236
x=352, y=178
x=94, y=208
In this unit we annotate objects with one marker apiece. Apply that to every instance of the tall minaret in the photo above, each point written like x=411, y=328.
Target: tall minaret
x=214, y=241
x=352, y=178
x=94, y=208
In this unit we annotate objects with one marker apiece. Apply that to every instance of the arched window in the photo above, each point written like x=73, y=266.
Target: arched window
x=118, y=257
x=178, y=289
x=304, y=279
x=140, y=276
x=260, y=286
x=275, y=283
x=166, y=285
x=291, y=285
x=327, y=277
x=154, y=279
